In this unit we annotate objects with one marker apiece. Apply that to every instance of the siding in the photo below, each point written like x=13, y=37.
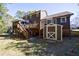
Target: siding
x=66, y=25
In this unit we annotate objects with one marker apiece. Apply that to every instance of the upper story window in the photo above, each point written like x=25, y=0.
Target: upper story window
x=53, y=21
x=49, y=21
x=63, y=20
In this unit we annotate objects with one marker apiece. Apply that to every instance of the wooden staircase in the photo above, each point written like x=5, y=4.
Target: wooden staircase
x=22, y=31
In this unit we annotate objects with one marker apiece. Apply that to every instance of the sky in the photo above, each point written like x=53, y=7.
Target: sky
x=51, y=8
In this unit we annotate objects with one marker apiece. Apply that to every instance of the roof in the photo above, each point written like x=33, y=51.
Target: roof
x=59, y=14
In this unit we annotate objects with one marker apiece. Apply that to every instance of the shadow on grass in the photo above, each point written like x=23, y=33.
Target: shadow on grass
x=33, y=47
x=38, y=47
x=28, y=48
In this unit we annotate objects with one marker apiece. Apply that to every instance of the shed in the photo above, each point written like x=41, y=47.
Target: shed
x=52, y=32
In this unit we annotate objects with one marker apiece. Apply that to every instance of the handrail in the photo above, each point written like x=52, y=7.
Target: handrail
x=22, y=27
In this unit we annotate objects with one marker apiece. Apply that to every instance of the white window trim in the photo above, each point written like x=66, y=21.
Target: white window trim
x=52, y=21
x=48, y=19
x=64, y=21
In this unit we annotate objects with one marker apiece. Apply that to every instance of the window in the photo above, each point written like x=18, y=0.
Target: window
x=54, y=21
x=49, y=21
x=63, y=19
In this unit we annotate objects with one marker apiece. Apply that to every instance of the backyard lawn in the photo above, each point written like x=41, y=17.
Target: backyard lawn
x=75, y=32
x=6, y=48
x=35, y=46
x=17, y=47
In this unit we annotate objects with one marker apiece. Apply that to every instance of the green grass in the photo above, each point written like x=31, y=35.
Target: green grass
x=21, y=47
x=10, y=47
x=75, y=33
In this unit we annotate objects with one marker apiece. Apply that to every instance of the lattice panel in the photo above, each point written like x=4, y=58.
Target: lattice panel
x=51, y=35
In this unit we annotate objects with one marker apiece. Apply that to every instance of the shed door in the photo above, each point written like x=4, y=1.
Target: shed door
x=51, y=32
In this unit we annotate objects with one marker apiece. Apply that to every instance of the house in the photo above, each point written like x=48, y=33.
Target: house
x=35, y=20
x=62, y=18
x=39, y=19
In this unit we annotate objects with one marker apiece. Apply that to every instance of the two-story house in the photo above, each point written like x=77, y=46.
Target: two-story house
x=40, y=19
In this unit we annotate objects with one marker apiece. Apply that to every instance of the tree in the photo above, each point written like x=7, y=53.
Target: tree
x=3, y=9
x=34, y=12
x=3, y=12
x=20, y=14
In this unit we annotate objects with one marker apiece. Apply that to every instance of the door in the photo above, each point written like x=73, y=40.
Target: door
x=51, y=32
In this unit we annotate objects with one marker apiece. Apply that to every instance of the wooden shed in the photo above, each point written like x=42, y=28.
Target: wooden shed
x=52, y=32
